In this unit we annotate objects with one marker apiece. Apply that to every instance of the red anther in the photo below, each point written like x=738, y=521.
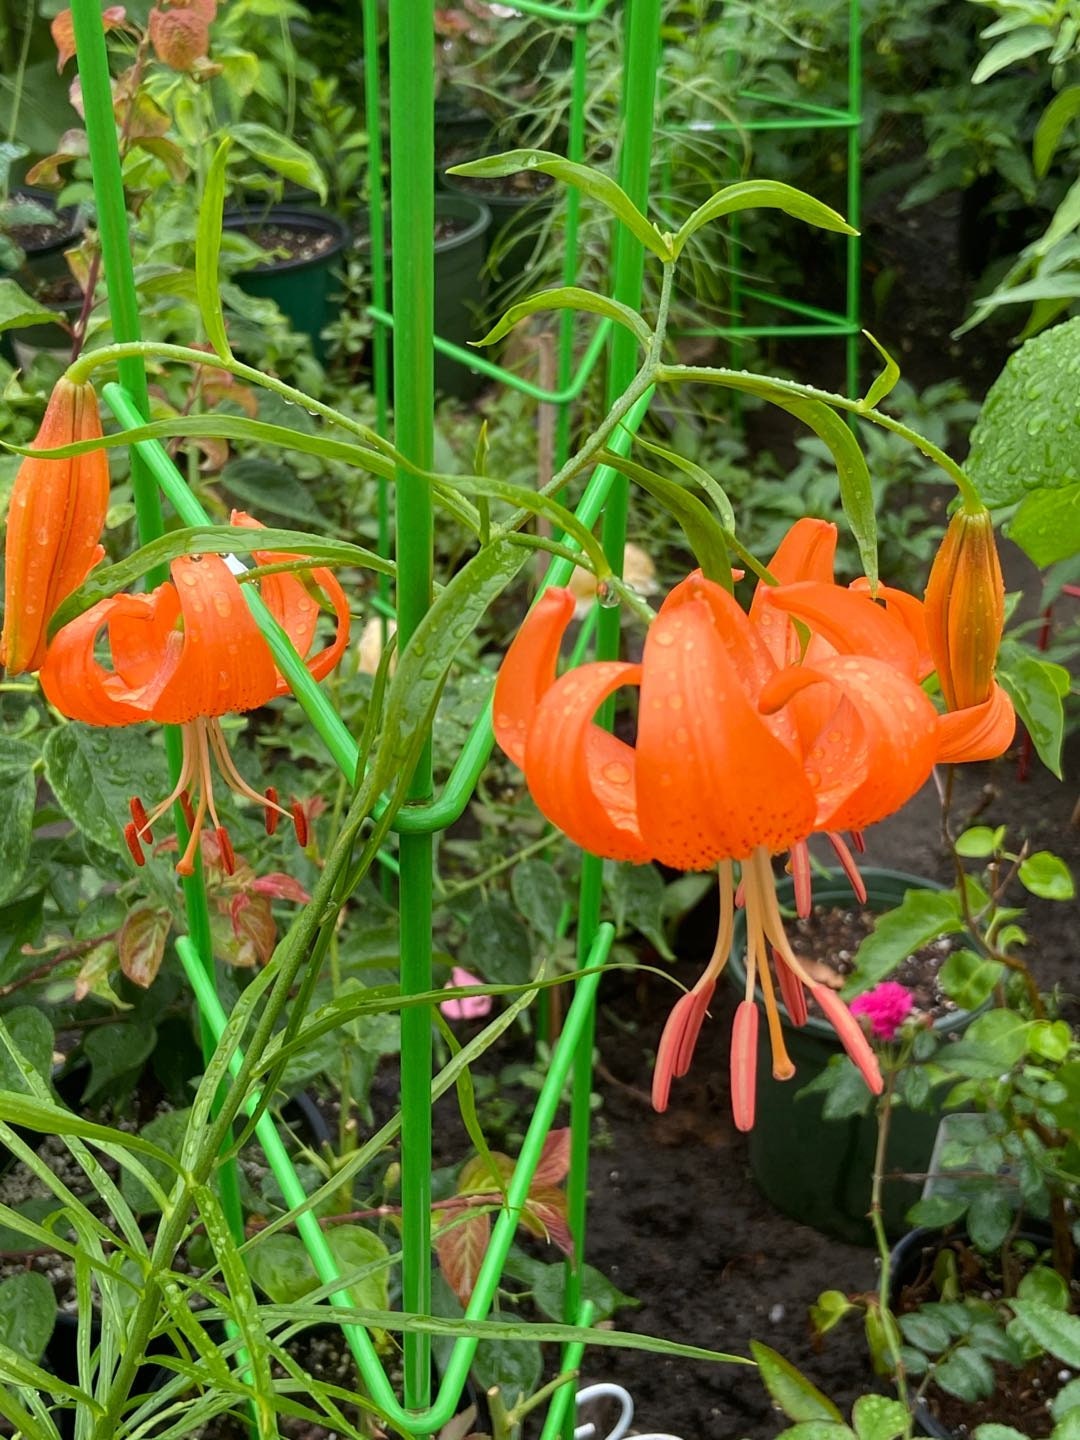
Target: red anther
x=858, y=839
x=131, y=835
x=138, y=814
x=300, y=825
x=228, y=856
x=743, y=1055
x=272, y=814
x=791, y=989
x=189, y=817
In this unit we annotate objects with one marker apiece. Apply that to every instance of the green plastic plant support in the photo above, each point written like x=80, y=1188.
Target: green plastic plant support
x=311, y=1232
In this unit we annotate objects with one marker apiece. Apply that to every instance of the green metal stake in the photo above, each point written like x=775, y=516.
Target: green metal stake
x=93, y=63
x=412, y=218
x=854, y=195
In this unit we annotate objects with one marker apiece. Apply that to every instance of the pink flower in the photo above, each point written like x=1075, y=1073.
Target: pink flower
x=468, y=1007
x=887, y=1006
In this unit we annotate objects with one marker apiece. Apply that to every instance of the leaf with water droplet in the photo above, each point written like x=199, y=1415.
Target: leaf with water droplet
x=1027, y=434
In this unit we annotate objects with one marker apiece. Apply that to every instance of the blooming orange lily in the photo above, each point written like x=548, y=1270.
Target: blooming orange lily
x=753, y=732
x=184, y=655
x=55, y=520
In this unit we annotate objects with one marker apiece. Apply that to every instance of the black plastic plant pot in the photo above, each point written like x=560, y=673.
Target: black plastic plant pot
x=461, y=226
x=45, y=253
x=819, y=1170
x=303, y=286
x=511, y=210
x=913, y=1258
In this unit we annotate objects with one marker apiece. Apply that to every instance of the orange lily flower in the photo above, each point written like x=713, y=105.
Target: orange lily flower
x=55, y=520
x=749, y=739
x=184, y=655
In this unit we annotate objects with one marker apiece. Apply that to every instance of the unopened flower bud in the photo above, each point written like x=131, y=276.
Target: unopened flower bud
x=965, y=609
x=55, y=520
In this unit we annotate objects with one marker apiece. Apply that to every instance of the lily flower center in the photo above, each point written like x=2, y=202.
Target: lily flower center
x=203, y=740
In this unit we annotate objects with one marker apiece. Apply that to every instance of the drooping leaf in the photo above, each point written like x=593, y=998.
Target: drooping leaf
x=594, y=183
x=762, y=195
x=1018, y=45
x=796, y=1396
x=697, y=522
x=208, y=251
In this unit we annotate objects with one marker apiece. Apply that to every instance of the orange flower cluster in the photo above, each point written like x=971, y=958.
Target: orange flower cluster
x=754, y=731
x=185, y=654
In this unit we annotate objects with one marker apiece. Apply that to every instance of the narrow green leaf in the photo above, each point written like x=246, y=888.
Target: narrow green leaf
x=1064, y=107
x=703, y=533
x=796, y=1396
x=701, y=477
x=760, y=195
x=856, y=490
x=590, y=182
x=208, y=251
x=885, y=382
x=569, y=297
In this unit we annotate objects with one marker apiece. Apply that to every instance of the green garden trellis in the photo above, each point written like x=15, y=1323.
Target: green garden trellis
x=785, y=115
x=411, y=40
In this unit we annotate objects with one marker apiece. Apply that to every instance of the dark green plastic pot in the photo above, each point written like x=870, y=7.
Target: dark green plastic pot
x=303, y=288
x=511, y=214
x=818, y=1170
x=459, y=287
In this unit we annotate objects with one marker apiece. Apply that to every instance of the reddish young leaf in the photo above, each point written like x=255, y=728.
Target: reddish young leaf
x=63, y=31
x=280, y=887
x=179, y=37
x=476, y=1177
x=554, y=1158
x=461, y=1245
x=142, y=945
x=254, y=928
x=544, y=1215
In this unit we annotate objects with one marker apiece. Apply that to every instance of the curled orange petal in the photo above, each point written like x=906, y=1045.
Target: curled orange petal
x=528, y=670
x=980, y=732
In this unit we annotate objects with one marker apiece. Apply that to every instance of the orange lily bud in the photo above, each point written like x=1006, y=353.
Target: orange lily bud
x=55, y=520
x=965, y=610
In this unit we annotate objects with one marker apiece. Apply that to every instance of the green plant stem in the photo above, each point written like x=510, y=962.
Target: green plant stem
x=535, y=847
x=706, y=375
x=877, y=1224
